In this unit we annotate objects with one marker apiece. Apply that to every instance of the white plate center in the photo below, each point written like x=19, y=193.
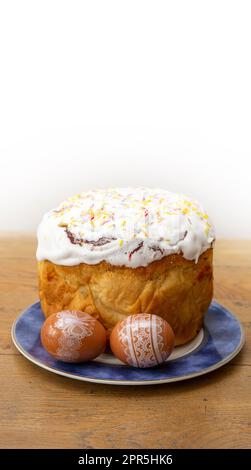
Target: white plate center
x=178, y=352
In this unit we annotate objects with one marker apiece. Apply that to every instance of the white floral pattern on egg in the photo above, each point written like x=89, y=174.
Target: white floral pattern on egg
x=73, y=336
x=74, y=329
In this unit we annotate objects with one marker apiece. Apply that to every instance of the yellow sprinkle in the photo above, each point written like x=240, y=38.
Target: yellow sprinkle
x=147, y=201
x=121, y=242
x=168, y=213
x=185, y=210
x=199, y=213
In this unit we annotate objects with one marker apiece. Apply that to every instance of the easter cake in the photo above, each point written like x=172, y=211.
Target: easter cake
x=118, y=252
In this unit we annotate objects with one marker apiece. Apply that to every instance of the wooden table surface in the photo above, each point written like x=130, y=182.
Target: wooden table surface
x=41, y=409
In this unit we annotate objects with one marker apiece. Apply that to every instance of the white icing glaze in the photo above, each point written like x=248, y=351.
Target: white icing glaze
x=127, y=227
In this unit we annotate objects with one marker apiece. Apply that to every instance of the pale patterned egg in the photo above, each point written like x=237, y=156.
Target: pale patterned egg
x=142, y=340
x=73, y=336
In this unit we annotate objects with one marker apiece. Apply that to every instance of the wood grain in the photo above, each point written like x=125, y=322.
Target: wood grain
x=40, y=409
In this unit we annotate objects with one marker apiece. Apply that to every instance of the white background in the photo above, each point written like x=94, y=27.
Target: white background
x=109, y=93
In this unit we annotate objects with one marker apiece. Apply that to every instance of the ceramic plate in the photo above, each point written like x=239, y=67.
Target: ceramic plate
x=216, y=344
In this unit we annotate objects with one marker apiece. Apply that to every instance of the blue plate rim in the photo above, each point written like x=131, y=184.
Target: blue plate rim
x=85, y=378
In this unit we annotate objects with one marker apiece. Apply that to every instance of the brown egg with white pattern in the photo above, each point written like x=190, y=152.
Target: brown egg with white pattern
x=73, y=336
x=142, y=340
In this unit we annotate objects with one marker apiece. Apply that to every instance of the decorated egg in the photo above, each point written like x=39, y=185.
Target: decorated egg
x=142, y=340
x=73, y=336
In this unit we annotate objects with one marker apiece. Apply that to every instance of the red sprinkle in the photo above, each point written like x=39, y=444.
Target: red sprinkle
x=135, y=249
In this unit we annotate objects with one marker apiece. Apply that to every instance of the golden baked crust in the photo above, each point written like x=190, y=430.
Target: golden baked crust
x=174, y=288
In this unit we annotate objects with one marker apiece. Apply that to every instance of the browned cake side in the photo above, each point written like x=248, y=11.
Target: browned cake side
x=174, y=288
